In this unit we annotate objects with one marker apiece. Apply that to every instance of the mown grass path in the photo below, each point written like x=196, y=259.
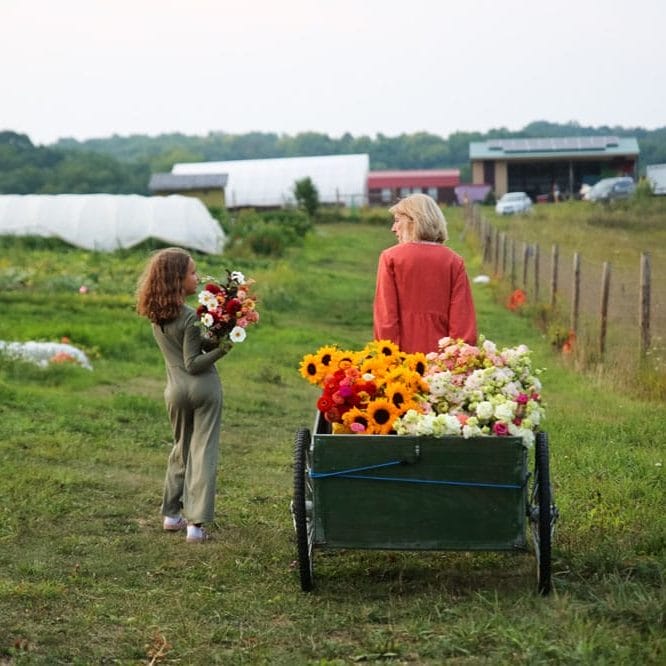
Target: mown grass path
x=87, y=576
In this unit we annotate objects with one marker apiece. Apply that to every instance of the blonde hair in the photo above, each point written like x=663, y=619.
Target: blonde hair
x=428, y=221
x=159, y=295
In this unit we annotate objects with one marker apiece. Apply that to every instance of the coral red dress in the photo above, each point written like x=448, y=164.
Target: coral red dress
x=422, y=294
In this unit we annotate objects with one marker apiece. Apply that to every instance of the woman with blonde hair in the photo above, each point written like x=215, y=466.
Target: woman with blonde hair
x=193, y=392
x=422, y=291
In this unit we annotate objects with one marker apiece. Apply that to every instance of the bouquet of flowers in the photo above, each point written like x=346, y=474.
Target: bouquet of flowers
x=227, y=307
x=365, y=391
x=461, y=390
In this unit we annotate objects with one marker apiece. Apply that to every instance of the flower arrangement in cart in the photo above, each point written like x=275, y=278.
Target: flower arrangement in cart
x=461, y=390
x=227, y=307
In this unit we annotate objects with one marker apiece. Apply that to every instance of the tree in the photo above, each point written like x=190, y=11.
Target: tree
x=307, y=196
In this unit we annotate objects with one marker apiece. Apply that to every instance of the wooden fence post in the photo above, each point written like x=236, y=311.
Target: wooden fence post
x=605, y=291
x=644, y=312
x=575, y=293
x=553, y=276
x=536, y=272
x=513, y=264
x=496, y=248
x=487, y=242
x=526, y=259
x=503, y=273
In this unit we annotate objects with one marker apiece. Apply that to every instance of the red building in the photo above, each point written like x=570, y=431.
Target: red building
x=386, y=187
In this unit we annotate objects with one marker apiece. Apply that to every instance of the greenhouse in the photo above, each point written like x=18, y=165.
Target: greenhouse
x=107, y=222
x=269, y=183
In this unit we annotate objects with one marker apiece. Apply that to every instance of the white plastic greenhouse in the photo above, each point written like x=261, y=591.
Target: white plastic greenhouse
x=107, y=222
x=339, y=179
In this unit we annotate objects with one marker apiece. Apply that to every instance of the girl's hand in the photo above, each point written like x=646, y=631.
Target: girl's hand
x=225, y=346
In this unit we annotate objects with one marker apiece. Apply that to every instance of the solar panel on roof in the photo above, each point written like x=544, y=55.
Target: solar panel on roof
x=552, y=144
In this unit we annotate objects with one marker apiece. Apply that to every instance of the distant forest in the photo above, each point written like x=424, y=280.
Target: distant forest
x=123, y=164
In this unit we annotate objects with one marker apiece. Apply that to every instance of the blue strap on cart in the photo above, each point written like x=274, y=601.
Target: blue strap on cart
x=352, y=473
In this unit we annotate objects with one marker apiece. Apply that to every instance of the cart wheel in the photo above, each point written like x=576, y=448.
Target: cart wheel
x=543, y=514
x=302, y=508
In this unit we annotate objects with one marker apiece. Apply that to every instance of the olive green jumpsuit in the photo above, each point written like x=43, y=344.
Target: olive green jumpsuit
x=193, y=396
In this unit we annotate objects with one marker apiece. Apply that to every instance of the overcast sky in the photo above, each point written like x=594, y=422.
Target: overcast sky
x=93, y=68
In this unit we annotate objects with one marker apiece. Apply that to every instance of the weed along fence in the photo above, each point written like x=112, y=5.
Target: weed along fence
x=606, y=309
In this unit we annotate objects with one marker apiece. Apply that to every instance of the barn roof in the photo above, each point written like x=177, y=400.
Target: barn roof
x=414, y=178
x=557, y=147
x=170, y=182
x=270, y=182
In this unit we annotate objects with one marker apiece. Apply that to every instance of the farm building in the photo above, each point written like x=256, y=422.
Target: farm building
x=467, y=193
x=269, y=183
x=537, y=166
x=207, y=187
x=107, y=222
x=386, y=187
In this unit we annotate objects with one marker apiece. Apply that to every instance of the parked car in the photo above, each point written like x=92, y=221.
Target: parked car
x=611, y=189
x=513, y=202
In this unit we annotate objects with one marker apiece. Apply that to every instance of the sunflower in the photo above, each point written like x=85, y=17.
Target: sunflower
x=374, y=365
x=417, y=362
x=383, y=347
x=398, y=394
x=381, y=414
x=312, y=370
x=354, y=419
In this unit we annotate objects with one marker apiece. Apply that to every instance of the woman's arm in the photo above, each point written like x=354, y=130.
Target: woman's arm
x=386, y=317
x=462, y=315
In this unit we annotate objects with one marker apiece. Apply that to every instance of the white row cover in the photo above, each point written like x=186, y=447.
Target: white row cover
x=339, y=179
x=107, y=222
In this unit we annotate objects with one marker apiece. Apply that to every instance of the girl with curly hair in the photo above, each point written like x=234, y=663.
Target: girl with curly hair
x=193, y=392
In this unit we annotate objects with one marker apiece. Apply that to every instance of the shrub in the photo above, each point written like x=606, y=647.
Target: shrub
x=307, y=196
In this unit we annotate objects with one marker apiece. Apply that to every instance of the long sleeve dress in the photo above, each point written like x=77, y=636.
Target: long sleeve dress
x=193, y=396
x=422, y=294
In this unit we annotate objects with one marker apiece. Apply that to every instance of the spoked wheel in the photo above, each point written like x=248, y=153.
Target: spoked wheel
x=542, y=514
x=301, y=508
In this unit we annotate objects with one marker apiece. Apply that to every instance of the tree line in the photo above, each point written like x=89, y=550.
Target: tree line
x=123, y=164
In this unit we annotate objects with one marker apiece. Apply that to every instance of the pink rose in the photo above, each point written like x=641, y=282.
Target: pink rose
x=500, y=429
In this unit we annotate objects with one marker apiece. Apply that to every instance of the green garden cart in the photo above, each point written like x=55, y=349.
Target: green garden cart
x=420, y=493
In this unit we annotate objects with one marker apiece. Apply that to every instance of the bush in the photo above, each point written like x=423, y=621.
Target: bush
x=267, y=233
x=307, y=196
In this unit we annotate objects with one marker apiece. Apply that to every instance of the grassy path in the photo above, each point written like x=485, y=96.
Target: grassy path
x=87, y=576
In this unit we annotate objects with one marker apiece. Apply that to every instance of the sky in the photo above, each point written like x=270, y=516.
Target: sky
x=95, y=68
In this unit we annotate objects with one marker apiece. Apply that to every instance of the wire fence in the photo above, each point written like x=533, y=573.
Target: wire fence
x=611, y=310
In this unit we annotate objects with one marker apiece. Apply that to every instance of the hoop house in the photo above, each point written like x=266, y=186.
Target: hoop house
x=108, y=222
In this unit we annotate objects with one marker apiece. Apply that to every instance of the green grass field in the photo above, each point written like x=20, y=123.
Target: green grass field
x=87, y=576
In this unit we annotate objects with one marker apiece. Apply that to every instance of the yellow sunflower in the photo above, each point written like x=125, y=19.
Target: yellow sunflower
x=417, y=362
x=383, y=347
x=312, y=369
x=381, y=414
x=375, y=365
x=328, y=357
x=356, y=421
x=398, y=394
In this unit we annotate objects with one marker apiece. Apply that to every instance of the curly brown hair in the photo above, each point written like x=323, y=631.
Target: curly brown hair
x=159, y=294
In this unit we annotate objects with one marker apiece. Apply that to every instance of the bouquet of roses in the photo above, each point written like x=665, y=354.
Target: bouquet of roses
x=227, y=307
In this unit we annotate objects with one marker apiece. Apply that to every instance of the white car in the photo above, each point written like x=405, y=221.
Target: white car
x=513, y=202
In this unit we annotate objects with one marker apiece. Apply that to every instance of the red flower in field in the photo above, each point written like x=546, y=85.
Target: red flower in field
x=517, y=299
x=213, y=288
x=568, y=346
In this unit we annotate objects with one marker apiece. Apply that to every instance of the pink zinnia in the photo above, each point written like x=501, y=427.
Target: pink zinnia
x=500, y=429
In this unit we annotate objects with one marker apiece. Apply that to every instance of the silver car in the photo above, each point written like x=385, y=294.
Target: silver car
x=611, y=189
x=513, y=202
